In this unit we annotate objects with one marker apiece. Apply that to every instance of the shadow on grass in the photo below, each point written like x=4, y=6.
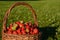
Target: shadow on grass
x=47, y=32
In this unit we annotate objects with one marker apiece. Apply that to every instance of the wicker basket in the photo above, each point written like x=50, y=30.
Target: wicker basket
x=6, y=36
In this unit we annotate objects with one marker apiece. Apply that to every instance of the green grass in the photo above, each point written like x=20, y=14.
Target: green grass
x=47, y=12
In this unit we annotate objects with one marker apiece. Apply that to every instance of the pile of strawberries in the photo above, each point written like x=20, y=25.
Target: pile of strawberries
x=22, y=28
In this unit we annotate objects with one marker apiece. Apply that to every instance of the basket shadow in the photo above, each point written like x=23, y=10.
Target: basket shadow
x=48, y=32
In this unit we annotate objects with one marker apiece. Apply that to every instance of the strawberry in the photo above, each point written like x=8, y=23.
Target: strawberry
x=19, y=31
x=35, y=31
x=31, y=29
x=31, y=32
x=9, y=29
x=18, y=22
x=22, y=28
x=11, y=25
x=14, y=32
x=27, y=26
x=23, y=32
x=9, y=32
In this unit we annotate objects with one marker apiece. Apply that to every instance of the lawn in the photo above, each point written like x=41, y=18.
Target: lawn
x=47, y=12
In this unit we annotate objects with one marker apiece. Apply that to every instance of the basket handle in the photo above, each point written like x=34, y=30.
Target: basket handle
x=17, y=4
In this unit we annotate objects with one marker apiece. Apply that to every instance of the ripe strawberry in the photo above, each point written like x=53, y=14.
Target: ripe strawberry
x=31, y=32
x=17, y=22
x=9, y=32
x=22, y=28
x=11, y=25
x=27, y=26
x=9, y=29
x=19, y=31
x=35, y=31
x=14, y=32
x=31, y=29
x=23, y=32
x=20, y=23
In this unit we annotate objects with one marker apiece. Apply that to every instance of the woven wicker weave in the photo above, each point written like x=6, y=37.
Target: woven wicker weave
x=6, y=36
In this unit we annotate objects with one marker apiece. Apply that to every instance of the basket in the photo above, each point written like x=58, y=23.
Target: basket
x=6, y=36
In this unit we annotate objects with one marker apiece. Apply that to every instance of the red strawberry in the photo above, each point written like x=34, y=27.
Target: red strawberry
x=18, y=31
x=23, y=32
x=11, y=25
x=35, y=31
x=14, y=32
x=9, y=29
x=9, y=32
x=27, y=26
x=31, y=32
x=18, y=22
x=31, y=29
x=22, y=28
